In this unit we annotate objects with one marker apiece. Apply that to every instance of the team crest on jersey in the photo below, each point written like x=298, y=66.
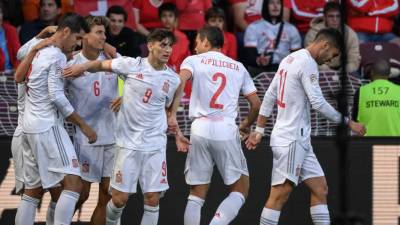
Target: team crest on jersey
x=139, y=76
x=75, y=163
x=85, y=167
x=118, y=177
x=165, y=87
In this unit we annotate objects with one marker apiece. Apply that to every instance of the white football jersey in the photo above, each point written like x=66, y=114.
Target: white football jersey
x=217, y=83
x=91, y=96
x=46, y=104
x=142, y=120
x=21, y=91
x=262, y=34
x=295, y=88
x=21, y=107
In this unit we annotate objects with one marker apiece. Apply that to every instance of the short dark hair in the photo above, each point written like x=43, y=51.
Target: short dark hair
x=92, y=21
x=74, y=22
x=116, y=9
x=168, y=7
x=215, y=12
x=58, y=3
x=332, y=6
x=381, y=67
x=333, y=36
x=160, y=34
x=213, y=34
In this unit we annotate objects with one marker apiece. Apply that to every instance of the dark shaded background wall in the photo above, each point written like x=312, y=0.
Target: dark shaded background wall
x=259, y=163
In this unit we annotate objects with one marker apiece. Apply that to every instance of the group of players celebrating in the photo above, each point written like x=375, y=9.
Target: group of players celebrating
x=120, y=141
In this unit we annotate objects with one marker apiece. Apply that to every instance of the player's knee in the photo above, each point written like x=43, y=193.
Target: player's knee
x=120, y=199
x=152, y=199
x=73, y=183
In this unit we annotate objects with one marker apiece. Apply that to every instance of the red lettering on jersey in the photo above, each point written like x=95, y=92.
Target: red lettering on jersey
x=281, y=91
x=139, y=76
x=221, y=87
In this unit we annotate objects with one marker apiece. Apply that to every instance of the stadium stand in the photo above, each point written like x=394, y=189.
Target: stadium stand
x=329, y=82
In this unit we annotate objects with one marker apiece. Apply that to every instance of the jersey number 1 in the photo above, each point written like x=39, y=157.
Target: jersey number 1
x=221, y=87
x=281, y=91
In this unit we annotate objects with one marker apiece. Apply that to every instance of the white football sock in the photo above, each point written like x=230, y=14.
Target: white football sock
x=26, y=210
x=320, y=215
x=269, y=217
x=192, y=214
x=113, y=213
x=228, y=209
x=50, y=213
x=65, y=207
x=150, y=215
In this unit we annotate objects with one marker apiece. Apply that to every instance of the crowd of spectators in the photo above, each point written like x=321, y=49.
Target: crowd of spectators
x=263, y=31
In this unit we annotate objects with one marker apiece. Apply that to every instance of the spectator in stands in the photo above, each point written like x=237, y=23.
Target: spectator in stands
x=168, y=14
x=12, y=12
x=191, y=16
x=373, y=20
x=246, y=12
x=49, y=12
x=301, y=12
x=125, y=40
x=9, y=45
x=332, y=19
x=216, y=17
x=377, y=104
x=145, y=13
x=31, y=8
x=269, y=40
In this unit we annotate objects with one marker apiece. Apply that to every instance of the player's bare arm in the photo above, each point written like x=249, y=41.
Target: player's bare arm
x=47, y=32
x=255, y=104
x=91, y=66
x=85, y=128
x=110, y=51
x=184, y=75
x=23, y=67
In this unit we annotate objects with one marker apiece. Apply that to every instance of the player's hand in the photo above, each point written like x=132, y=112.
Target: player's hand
x=182, y=143
x=357, y=128
x=172, y=124
x=244, y=130
x=253, y=140
x=89, y=133
x=74, y=70
x=43, y=43
x=116, y=104
x=110, y=51
x=47, y=32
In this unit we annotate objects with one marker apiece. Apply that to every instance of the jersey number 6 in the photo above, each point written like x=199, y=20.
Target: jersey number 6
x=96, y=88
x=221, y=87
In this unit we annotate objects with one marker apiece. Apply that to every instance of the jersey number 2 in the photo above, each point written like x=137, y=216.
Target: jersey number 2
x=221, y=87
x=281, y=91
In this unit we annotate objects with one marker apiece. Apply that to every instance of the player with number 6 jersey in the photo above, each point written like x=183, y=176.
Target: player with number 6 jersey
x=141, y=125
x=295, y=89
x=217, y=83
